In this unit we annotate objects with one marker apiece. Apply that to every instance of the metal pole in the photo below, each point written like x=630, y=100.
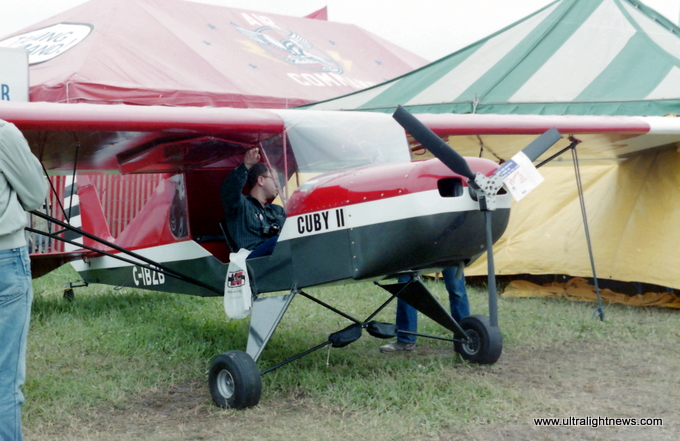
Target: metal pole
x=493, y=294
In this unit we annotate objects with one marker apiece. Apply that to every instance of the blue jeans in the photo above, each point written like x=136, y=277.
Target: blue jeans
x=407, y=315
x=16, y=295
x=265, y=248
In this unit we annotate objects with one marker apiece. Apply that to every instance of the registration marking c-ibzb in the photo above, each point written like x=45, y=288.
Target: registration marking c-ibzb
x=147, y=277
x=321, y=221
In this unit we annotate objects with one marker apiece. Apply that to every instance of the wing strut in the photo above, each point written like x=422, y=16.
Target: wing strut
x=577, y=170
x=579, y=185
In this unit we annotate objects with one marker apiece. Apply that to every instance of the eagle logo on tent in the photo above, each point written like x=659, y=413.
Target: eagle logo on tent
x=292, y=48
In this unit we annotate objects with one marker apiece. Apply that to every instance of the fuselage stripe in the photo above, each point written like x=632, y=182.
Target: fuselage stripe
x=425, y=203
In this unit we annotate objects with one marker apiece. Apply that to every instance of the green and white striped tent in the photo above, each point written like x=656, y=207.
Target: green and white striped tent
x=573, y=57
x=584, y=57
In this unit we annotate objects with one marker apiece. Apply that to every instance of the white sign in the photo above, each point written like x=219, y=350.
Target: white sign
x=520, y=176
x=13, y=74
x=46, y=43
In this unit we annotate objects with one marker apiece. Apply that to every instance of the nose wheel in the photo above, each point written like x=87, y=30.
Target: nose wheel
x=234, y=380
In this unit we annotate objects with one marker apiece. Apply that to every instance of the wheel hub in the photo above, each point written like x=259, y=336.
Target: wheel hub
x=225, y=384
x=473, y=343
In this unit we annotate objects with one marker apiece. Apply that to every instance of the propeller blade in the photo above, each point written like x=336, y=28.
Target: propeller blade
x=433, y=143
x=539, y=145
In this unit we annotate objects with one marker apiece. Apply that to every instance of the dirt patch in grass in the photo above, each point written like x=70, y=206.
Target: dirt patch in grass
x=627, y=380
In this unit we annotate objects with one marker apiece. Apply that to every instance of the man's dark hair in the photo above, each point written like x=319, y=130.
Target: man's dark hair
x=257, y=170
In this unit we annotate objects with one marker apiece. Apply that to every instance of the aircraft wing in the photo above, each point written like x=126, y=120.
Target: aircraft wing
x=133, y=139
x=136, y=139
x=602, y=137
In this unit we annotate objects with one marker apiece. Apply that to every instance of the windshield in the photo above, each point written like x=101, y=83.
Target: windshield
x=324, y=141
x=318, y=142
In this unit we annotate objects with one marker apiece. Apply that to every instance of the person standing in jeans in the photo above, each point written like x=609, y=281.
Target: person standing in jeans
x=22, y=188
x=407, y=316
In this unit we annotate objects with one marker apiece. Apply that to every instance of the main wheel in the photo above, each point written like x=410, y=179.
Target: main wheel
x=234, y=380
x=485, y=342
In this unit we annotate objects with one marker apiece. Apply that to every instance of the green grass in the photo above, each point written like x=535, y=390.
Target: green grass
x=108, y=346
x=108, y=343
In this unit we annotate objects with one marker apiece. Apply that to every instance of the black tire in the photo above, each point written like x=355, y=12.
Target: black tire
x=485, y=341
x=234, y=380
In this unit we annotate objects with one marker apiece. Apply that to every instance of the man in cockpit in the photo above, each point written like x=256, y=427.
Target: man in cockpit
x=252, y=220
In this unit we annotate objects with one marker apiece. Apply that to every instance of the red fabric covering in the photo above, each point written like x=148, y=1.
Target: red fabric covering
x=321, y=14
x=179, y=53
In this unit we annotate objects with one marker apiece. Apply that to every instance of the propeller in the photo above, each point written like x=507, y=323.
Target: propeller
x=458, y=165
x=450, y=157
x=433, y=143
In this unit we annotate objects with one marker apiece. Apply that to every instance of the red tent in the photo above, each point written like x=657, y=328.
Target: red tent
x=179, y=53
x=175, y=52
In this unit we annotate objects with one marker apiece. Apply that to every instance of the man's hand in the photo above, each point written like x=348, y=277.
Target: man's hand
x=251, y=158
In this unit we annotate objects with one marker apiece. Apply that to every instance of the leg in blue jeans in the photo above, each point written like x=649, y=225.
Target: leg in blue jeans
x=16, y=295
x=265, y=248
x=458, y=299
x=407, y=316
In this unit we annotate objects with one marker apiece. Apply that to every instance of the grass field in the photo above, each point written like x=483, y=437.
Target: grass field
x=131, y=364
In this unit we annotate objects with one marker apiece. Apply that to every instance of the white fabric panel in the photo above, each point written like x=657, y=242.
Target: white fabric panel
x=173, y=252
x=669, y=87
x=589, y=51
x=456, y=81
x=657, y=33
x=662, y=131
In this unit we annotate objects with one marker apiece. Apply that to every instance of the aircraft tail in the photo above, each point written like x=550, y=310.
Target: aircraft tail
x=91, y=212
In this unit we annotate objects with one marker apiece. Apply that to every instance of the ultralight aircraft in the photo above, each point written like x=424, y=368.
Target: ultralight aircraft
x=358, y=207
